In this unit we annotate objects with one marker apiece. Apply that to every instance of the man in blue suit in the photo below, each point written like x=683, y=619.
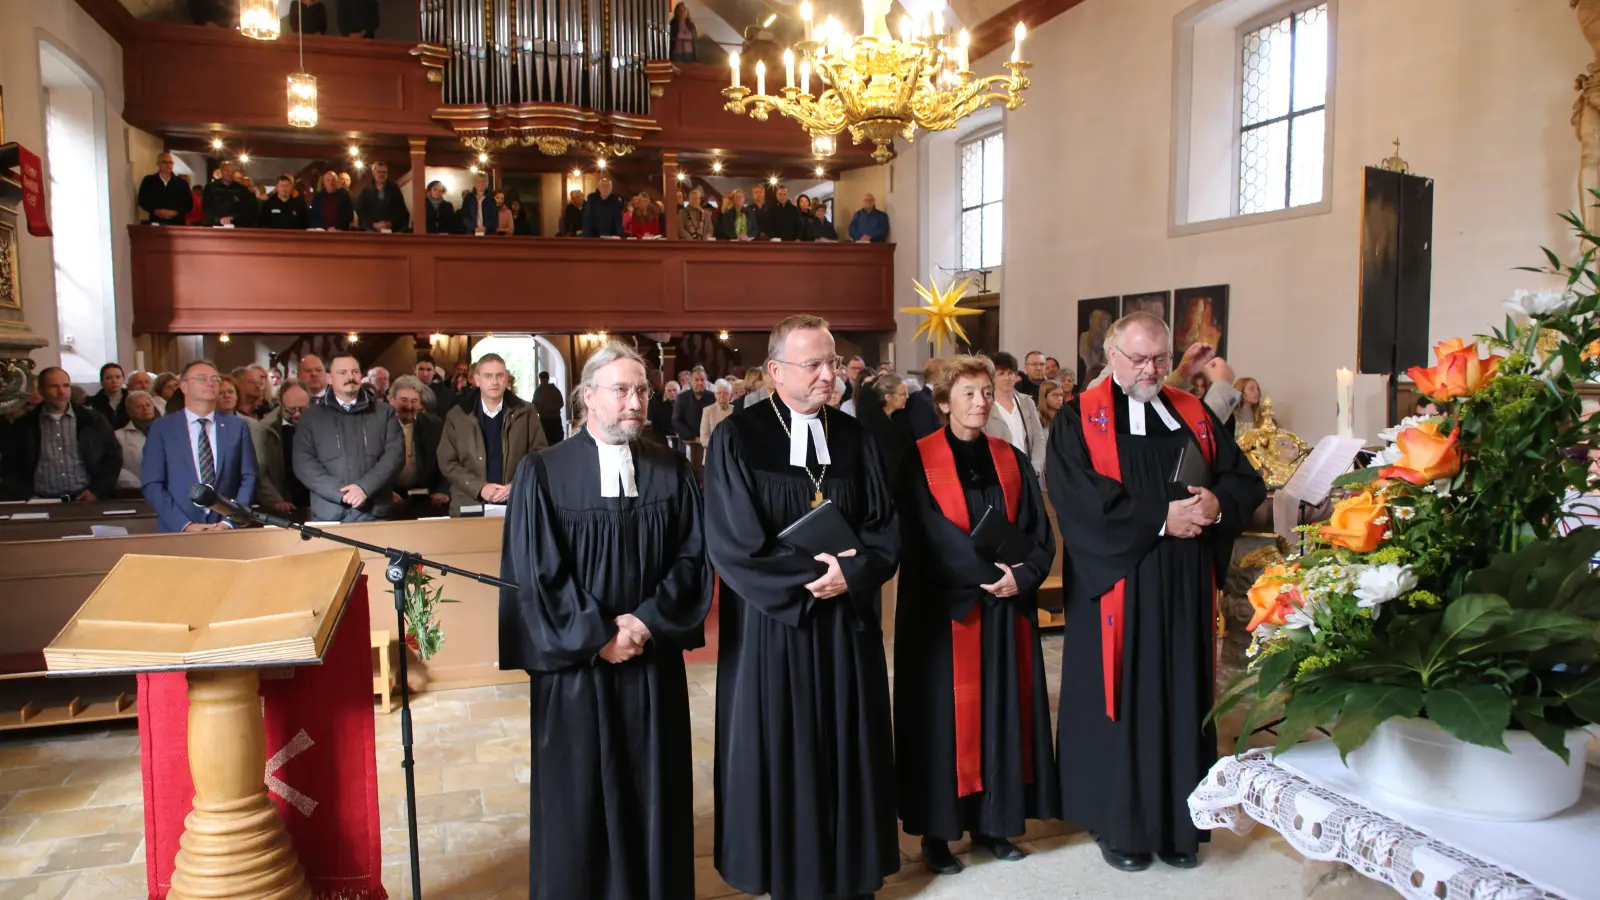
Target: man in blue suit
x=197, y=446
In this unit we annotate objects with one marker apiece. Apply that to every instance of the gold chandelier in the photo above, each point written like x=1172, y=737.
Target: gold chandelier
x=875, y=86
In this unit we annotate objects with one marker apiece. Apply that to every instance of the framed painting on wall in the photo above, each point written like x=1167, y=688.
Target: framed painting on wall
x=1201, y=317
x=1156, y=303
x=1094, y=321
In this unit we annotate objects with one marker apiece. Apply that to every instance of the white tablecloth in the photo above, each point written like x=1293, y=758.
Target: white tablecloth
x=1327, y=813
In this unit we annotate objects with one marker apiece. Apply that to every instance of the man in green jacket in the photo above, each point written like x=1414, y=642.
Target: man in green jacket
x=481, y=446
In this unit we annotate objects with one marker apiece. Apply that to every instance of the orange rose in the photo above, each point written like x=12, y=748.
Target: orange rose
x=1354, y=525
x=1274, y=596
x=1426, y=455
x=1591, y=351
x=1460, y=372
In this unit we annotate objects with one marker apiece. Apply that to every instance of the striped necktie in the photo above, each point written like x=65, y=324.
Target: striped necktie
x=208, y=462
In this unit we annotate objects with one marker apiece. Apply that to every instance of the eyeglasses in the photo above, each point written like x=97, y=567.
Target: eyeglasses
x=201, y=379
x=815, y=366
x=1161, y=361
x=622, y=392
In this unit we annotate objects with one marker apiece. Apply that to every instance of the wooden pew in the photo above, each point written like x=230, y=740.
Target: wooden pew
x=46, y=581
x=73, y=519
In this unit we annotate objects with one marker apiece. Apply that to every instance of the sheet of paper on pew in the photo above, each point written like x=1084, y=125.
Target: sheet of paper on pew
x=486, y=510
x=119, y=512
x=29, y=516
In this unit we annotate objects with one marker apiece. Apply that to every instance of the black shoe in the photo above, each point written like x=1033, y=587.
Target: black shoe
x=937, y=857
x=1125, y=862
x=1180, y=860
x=999, y=848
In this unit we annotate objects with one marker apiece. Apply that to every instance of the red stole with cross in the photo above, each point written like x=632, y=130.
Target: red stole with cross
x=966, y=636
x=1098, y=409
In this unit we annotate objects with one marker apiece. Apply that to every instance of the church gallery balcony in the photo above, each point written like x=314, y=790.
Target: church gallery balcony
x=206, y=280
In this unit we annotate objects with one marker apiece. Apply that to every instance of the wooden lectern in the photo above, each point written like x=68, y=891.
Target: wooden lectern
x=220, y=621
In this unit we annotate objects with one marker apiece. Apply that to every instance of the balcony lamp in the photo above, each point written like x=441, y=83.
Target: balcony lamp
x=259, y=19
x=302, y=86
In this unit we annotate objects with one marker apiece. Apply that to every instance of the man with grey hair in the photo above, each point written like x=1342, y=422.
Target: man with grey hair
x=1150, y=491
x=419, y=434
x=253, y=390
x=378, y=377
x=805, y=785
x=603, y=537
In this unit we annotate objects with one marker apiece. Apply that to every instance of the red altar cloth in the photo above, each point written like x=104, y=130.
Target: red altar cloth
x=321, y=767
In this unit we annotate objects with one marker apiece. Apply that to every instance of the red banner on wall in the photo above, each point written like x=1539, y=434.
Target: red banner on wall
x=33, y=193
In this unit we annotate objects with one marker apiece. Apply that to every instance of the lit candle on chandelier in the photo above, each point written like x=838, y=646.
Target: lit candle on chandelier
x=1022, y=32
x=733, y=62
x=805, y=16
x=761, y=77
x=788, y=68
x=963, y=42
x=905, y=28
x=805, y=76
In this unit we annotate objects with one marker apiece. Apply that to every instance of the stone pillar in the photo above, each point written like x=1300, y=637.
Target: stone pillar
x=419, y=185
x=669, y=194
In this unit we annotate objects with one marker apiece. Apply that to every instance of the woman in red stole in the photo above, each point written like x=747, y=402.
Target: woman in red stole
x=972, y=712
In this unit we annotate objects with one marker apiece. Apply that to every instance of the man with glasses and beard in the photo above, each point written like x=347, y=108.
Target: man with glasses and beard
x=1147, y=544
x=603, y=538
x=805, y=787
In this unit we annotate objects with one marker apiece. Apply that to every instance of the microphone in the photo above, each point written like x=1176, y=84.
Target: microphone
x=204, y=495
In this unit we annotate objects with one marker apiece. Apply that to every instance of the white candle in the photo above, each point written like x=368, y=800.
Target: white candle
x=138, y=360
x=905, y=28
x=733, y=62
x=805, y=16
x=1344, y=402
x=805, y=76
x=938, y=22
x=788, y=67
x=963, y=42
x=1022, y=32
x=761, y=77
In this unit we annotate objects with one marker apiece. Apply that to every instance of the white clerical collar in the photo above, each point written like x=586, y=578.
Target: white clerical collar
x=1136, y=413
x=807, y=425
x=616, y=470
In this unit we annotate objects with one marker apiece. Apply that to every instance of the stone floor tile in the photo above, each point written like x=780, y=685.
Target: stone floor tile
x=512, y=691
x=51, y=774
x=114, y=769
x=131, y=819
x=120, y=792
x=12, y=828
x=106, y=884
x=505, y=800
x=51, y=799
x=707, y=883
x=21, y=859
x=511, y=747
x=480, y=775
x=90, y=852
x=515, y=708
x=46, y=887
x=396, y=843
x=487, y=834
x=72, y=824
x=455, y=806
x=392, y=782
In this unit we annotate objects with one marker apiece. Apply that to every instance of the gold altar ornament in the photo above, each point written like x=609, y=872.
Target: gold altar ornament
x=875, y=86
x=1275, y=452
x=941, y=313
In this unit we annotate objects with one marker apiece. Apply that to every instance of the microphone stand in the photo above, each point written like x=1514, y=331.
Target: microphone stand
x=400, y=562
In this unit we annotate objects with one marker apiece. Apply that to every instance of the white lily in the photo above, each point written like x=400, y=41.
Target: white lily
x=1538, y=304
x=1304, y=615
x=1380, y=584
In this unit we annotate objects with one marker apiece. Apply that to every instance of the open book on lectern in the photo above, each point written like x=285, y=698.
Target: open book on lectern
x=186, y=611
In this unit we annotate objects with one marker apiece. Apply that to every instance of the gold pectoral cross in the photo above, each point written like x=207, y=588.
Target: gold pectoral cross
x=817, y=500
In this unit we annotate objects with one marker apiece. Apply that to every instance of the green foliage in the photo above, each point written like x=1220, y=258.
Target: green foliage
x=423, y=633
x=1496, y=624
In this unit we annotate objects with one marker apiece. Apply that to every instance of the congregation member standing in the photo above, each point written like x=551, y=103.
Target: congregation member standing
x=921, y=412
x=226, y=201
x=572, y=216
x=694, y=220
x=254, y=387
x=59, y=449
x=314, y=375
x=132, y=436
x=420, y=435
x=331, y=209
x=870, y=225
x=200, y=445
x=283, y=209
x=165, y=198
x=381, y=206
x=348, y=450
x=482, y=444
x=972, y=707
x=1033, y=375
x=783, y=220
x=805, y=792
x=547, y=400
x=602, y=212
x=821, y=228
x=687, y=411
x=1014, y=418
x=713, y=415
x=277, y=487
x=738, y=222
x=604, y=538
x=442, y=217
x=1145, y=557
x=760, y=208
x=479, y=215
x=111, y=399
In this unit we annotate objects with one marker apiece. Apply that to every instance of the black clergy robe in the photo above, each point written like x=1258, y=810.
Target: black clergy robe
x=612, y=810
x=939, y=586
x=804, y=776
x=1129, y=780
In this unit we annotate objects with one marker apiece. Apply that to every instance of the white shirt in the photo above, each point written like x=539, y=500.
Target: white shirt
x=491, y=413
x=806, y=425
x=1015, y=430
x=616, y=470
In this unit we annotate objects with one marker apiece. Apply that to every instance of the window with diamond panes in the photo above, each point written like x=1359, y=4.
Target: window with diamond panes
x=982, y=185
x=1283, y=89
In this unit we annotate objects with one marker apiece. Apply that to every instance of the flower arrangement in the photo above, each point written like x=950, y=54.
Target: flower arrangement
x=1445, y=587
x=423, y=633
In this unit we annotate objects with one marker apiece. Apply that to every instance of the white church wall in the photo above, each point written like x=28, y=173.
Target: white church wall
x=1479, y=93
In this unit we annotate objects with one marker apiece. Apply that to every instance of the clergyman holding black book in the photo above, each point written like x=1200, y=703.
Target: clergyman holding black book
x=805, y=793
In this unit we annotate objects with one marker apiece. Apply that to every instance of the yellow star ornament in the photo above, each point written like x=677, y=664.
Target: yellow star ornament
x=941, y=314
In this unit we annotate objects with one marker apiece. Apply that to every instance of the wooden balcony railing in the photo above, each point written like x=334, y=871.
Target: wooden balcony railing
x=207, y=280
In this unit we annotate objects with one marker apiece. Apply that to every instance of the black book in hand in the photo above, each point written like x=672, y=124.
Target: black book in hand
x=822, y=530
x=1191, y=470
x=1006, y=542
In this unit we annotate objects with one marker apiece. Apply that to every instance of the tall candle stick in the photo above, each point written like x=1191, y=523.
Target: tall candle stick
x=788, y=67
x=1022, y=32
x=761, y=77
x=1345, y=401
x=963, y=43
x=805, y=76
x=805, y=16
x=733, y=63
